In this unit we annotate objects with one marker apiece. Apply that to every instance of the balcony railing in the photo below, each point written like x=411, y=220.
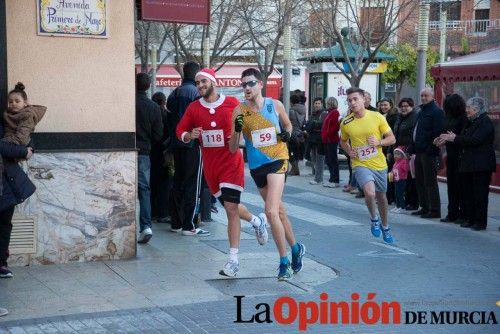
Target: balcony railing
x=470, y=27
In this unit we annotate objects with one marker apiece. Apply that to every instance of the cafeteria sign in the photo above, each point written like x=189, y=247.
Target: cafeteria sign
x=72, y=18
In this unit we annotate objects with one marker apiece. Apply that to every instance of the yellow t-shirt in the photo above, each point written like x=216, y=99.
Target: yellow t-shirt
x=357, y=130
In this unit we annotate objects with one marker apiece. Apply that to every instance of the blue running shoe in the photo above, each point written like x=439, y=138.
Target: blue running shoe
x=386, y=235
x=285, y=272
x=375, y=227
x=297, y=258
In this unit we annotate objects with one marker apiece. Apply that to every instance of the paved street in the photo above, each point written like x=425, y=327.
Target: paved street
x=173, y=285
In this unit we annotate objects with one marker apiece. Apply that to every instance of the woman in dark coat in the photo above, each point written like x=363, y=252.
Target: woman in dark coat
x=477, y=161
x=403, y=131
x=454, y=109
x=16, y=188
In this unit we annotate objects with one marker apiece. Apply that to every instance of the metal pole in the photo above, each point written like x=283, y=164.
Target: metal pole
x=206, y=48
x=423, y=41
x=442, y=38
x=287, y=55
x=154, y=63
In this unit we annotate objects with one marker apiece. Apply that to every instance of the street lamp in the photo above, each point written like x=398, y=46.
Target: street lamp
x=422, y=44
x=154, y=64
x=287, y=55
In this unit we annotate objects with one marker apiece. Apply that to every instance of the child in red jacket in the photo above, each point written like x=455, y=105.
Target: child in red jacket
x=399, y=174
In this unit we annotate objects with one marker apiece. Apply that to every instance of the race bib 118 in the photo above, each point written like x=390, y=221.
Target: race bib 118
x=213, y=138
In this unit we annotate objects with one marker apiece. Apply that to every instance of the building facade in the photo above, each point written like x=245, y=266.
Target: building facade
x=471, y=26
x=84, y=167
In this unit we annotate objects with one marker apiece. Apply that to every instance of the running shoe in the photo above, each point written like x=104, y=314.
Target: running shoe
x=285, y=272
x=5, y=272
x=375, y=228
x=196, y=232
x=261, y=230
x=230, y=269
x=145, y=236
x=297, y=259
x=386, y=235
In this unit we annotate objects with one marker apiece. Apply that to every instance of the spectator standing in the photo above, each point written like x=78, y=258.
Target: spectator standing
x=161, y=177
x=149, y=130
x=368, y=101
x=17, y=187
x=313, y=130
x=186, y=186
x=430, y=124
x=403, y=130
x=477, y=161
x=297, y=143
x=399, y=175
x=330, y=139
x=391, y=114
x=456, y=119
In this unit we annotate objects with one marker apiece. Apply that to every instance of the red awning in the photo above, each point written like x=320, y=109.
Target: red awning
x=228, y=76
x=480, y=66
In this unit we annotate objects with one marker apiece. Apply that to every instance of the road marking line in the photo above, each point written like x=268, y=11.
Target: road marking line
x=376, y=253
x=303, y=213
x=397, y=249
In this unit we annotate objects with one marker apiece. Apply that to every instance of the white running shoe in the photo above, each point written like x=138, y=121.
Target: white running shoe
x=145, y=236
x=313, y=182
x=196, y=232
x=261, y=230
x=230, y=269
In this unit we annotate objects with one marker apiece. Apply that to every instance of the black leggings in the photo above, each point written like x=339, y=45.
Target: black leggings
x=5, y=231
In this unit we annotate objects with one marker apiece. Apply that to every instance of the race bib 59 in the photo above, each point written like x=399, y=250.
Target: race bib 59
x=264, y=137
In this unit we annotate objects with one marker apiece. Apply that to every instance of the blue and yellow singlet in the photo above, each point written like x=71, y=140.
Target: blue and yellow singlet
x=260, y=131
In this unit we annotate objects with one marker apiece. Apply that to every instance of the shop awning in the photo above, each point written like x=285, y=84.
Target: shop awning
x=484, y=65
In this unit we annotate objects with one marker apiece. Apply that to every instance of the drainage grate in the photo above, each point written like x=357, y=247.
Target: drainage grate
x=22, y=239
x=261, y=286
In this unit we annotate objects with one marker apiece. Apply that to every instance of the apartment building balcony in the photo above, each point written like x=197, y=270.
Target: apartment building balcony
x=468, y=27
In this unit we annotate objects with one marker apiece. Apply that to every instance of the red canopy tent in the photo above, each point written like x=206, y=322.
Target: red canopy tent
x=477, y=74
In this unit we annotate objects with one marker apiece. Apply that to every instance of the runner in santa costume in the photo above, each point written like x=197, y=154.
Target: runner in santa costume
x=209, y=119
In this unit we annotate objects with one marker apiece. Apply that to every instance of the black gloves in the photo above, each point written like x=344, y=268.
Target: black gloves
x=238, y=123
x=284, y=136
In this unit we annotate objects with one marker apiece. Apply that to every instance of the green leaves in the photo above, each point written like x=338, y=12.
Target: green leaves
x=404, y=66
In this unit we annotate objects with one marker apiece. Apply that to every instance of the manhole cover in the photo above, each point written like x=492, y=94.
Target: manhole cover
x=254, y=286
x=246, y=246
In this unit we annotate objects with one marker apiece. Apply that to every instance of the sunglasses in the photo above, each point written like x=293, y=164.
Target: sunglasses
x=250, y=83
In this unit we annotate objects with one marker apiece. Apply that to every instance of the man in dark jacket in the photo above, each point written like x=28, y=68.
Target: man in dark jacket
x=184, y=199
x=149, y=129
x=430, y=124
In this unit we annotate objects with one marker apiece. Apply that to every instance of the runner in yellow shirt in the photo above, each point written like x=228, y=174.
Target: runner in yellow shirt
x=363, y=133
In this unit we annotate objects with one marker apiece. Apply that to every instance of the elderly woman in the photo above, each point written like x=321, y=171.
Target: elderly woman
x=330, y=139
x=477, y=161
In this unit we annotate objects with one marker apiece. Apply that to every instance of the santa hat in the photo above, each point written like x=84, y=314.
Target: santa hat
x=400, y=149
x=208, y=73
